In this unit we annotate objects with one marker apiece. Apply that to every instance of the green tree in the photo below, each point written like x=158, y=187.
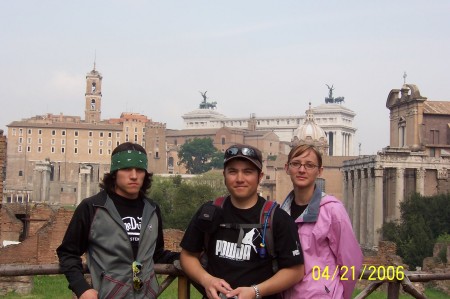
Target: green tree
x=199, y=155
x=422, y=221
x=180, y=198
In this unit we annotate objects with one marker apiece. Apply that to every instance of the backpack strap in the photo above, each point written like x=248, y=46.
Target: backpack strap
x=266, y=219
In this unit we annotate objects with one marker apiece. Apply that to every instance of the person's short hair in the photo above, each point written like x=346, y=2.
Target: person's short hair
x=301, y=148
x=109, y=179
x=243, y=151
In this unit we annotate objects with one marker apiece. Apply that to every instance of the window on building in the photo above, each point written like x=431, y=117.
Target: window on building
x=63, y=150
x=109, y=152
x=101, y=134
x=39, y=132
x=75, y=133
x=156, y=155
x=20, y=173
x=30, y=131
x=39, y=140
x=20, y=139
x=90, y=151
x=100, y=151
x=63, y=141
x=75, y=141
x=39, y=149
x=90, y=134
x=20, y=132
x=109, y=143
x=434, y=136
x=143, y=129
x=109, y=134
x=126, y=138
x=53, y=141
x=100, y=143
x=223, y=140
x=117, y=135
x=75, y=150
x=29, y=140
x=14, y=132
x=135, y=130
x=126, y=129
x=28, y=149
x=90, y=142
x=432, y=152
x=53, y=132
x=135, y=138
x=52, y=150
x=63, y=133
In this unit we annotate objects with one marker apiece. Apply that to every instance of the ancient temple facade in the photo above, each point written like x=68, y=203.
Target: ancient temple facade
x=417, y=160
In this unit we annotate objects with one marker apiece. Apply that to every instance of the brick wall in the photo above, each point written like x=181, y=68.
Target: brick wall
x=46, y=236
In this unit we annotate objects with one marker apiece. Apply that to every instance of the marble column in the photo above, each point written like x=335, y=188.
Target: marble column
x=420, y=181
x=370, y=207
x=363, y=207
x=378, y=205
x=357, y=202
x=399, y=191
x=80, y=177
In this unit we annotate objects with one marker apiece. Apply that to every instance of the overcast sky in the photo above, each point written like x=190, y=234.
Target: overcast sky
x=265, y=57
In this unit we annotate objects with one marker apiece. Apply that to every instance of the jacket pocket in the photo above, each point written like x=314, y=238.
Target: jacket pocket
x=113, y=287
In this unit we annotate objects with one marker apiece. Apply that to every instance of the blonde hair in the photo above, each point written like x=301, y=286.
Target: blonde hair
x=301, y=148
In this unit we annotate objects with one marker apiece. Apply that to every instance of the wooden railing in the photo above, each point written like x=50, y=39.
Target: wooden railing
x=51, y=269
x=393, y=291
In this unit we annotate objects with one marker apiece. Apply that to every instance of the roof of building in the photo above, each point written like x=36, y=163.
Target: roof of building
x=436, y=107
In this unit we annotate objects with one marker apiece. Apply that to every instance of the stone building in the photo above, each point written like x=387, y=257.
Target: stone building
x=416, y=160
x=334, y=118
x=2, y=160
x=278, y=184
x=62, y=158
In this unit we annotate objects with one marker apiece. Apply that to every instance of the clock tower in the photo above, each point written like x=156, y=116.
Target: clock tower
x=93, y=96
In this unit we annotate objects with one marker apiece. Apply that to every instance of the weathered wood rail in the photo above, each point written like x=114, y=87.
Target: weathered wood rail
x=172, y=273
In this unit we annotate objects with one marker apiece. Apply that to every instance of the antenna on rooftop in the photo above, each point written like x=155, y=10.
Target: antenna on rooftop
x=404, y=77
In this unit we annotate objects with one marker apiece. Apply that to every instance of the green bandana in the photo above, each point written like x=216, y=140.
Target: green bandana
x=128, y=159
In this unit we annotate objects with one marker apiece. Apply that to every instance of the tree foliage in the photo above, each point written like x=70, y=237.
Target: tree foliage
x=423, y=220
x=199, y=155
x=179, y=199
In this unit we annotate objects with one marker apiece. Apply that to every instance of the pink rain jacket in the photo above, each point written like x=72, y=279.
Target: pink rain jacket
x=333, y=257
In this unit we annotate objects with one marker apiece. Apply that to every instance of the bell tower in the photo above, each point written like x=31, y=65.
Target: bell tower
x=93, y=96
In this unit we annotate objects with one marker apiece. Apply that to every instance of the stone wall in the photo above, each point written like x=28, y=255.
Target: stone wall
x=2, y=161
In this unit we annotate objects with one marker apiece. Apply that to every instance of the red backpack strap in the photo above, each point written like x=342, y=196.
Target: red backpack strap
x=219, y=201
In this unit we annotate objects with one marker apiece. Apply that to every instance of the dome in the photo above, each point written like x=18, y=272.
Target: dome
x=310, y=133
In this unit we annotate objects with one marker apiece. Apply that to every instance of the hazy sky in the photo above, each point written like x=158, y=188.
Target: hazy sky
x=265, y=57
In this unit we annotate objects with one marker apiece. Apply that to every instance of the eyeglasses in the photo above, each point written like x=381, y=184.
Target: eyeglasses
x=297, y=165
x=137, y=282
x=245, y=151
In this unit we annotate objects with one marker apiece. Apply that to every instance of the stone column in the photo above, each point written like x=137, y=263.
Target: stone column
x=357, y=202
x=350, y=195
x=370, y=207
x=80, y=177
x=88, y=184
x=378, y=205
x=344, y=189
x=420, y=181
x=399, y=191
x=442, y=176
x=363, y=207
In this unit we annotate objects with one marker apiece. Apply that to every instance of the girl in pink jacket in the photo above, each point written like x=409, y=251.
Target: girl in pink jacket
x=332, y=255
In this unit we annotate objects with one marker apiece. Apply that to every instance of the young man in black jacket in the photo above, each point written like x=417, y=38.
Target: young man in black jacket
x=121, y=232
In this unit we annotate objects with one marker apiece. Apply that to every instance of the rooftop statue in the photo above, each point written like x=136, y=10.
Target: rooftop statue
x=330, y=98
x=204, y=104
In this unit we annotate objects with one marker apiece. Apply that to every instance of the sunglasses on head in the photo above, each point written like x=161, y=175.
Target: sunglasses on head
x=245, y=151
x=137, y=282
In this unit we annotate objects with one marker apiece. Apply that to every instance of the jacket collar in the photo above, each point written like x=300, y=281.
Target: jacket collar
x=311, y=212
